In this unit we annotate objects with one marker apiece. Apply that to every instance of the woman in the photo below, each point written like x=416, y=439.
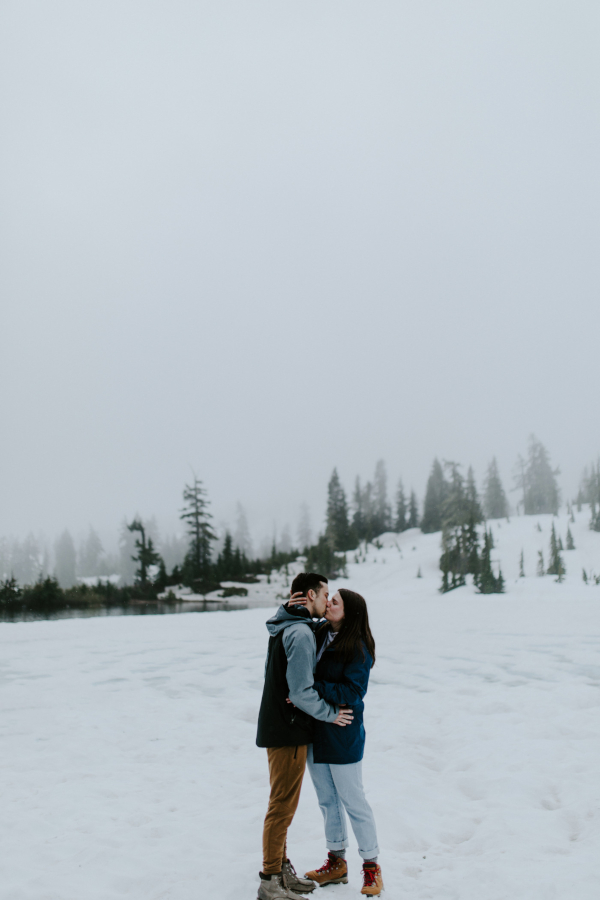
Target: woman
x=345, y=656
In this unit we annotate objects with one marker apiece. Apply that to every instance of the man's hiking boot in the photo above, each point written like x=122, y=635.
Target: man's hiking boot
x=293, y=882
x=273, y=888
x=372, y=880
x=335, y=871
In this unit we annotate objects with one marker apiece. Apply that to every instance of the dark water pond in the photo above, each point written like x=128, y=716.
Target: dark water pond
x=135, y=608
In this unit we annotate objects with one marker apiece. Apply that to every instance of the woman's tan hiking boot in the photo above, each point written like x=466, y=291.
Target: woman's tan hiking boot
x=335, y=871
x=372, y=880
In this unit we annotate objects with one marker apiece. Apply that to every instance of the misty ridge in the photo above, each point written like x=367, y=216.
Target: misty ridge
x=202, y=556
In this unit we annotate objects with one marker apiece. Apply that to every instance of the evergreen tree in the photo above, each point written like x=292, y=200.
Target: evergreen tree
x=413, y=511
x=65, y=560
x=363, y=518
x=369, y=512
x=337, y=529
x=224, y=568
x=400, y=524
x=460, y=555
x=322, y=558
x=454, y=505
x=556, y=565
x=197, y=563
x=521, y=565
x=146, y=555
x=460, y=513
x=474, y=512
x=434, y=497
x=537, y=480
x=486, y=581
x=162, y=579
x=495, y=503
x=382, y=514
x=359, y=520
x=540, y=564
x=570, y=541
x=460, y=505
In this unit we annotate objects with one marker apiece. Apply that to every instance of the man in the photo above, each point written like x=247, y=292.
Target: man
x=285, y=728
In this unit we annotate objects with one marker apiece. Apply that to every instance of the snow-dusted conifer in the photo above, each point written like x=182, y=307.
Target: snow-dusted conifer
x=570, y=541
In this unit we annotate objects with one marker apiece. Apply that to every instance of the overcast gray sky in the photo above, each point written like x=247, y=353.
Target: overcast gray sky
x=265, y=239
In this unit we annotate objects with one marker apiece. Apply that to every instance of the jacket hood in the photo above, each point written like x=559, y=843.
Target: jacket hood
x=285, y=617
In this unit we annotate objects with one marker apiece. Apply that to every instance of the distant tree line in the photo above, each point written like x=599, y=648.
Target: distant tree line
x=452, y=506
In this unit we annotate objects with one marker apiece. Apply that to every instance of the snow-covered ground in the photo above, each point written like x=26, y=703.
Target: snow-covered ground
x=128, y=767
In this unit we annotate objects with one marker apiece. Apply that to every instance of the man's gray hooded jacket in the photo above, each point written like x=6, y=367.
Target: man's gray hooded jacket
x=289, y=672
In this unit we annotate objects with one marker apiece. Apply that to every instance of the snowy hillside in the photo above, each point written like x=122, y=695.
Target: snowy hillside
x=404, y=555
x=129, y=770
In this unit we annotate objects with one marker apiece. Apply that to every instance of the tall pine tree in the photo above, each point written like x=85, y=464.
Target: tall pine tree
x=537, y=480
x=197, y=563
x=495, y=503
x=413, y=511
x=486, y=581
x=146, y=555
x=434, y=498
x=401, y=523
x=382, y=516
x=556, y=565
x=337, y=529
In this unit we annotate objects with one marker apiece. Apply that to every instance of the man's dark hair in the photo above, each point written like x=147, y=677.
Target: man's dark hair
x=307, y=581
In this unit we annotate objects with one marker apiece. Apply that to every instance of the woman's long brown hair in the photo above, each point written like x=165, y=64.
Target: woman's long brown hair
x=355, y=634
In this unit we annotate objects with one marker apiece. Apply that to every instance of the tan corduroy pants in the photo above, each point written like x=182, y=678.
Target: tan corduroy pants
x=286, y=771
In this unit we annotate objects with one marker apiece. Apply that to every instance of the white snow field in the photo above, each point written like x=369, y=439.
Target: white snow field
x=128, y=765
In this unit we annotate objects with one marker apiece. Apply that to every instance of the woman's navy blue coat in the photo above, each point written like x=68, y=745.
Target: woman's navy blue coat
x=340, y=683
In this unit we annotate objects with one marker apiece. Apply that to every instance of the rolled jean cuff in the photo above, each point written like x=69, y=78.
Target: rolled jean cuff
x=337, y=845
x=369, y=854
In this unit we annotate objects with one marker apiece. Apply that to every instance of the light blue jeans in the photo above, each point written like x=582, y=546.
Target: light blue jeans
x=339, y=788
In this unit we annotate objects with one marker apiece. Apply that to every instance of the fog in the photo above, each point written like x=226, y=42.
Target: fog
x=260, y=240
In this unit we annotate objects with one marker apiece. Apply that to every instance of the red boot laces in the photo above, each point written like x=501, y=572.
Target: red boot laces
x=370, y=874
x=329, y=864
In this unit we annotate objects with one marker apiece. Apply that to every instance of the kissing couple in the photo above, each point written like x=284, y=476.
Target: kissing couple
x=316, y=676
